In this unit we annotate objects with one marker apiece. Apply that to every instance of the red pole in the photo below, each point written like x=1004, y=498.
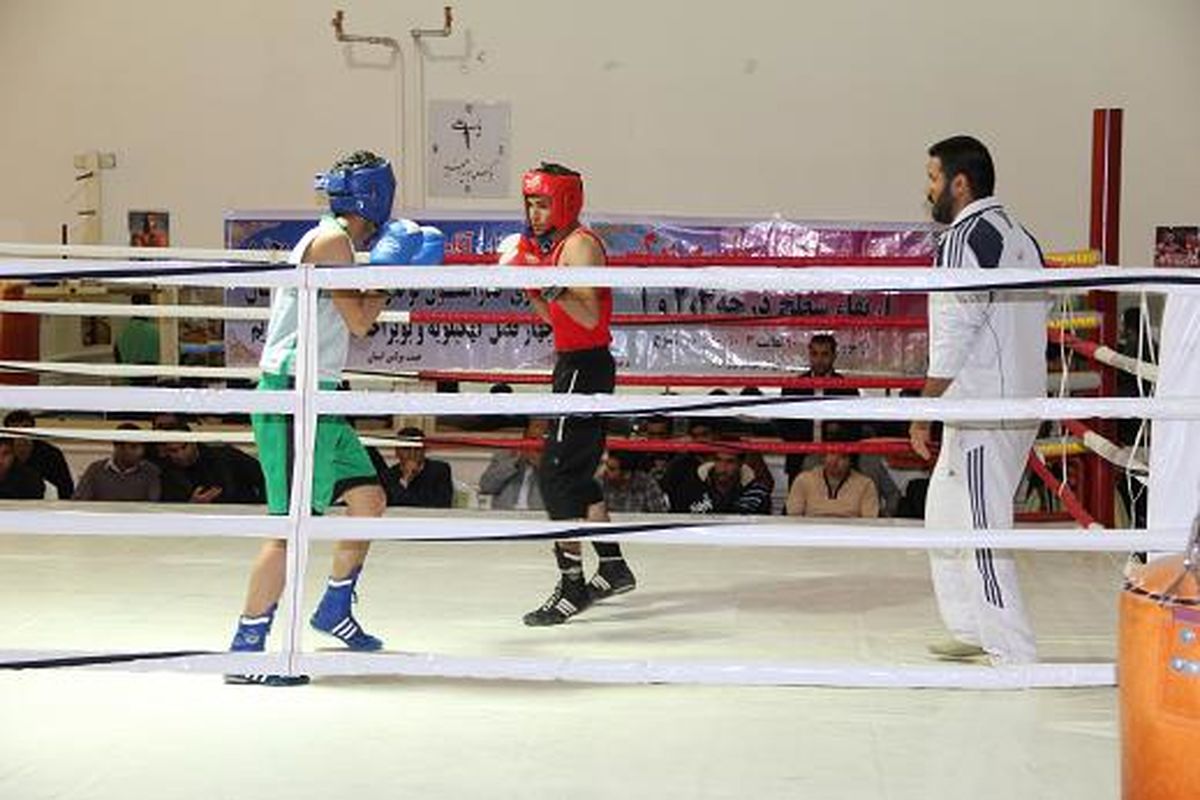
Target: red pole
x=1062, y=492
x=1099, y=163
x=1112, y=192
x=1104, y=235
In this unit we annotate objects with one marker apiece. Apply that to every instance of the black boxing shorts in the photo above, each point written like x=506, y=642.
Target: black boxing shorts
x=575, y=444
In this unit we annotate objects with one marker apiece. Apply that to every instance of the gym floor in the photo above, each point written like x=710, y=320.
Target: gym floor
x=74, y=733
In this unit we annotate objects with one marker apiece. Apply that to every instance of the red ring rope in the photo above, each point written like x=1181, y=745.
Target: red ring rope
x=1084, y=347
x=737, y=260
x=880, y=446
x=433, y=316
x=771, y=380
x=1069, y=500
x=1076, y=428
x=717, y=260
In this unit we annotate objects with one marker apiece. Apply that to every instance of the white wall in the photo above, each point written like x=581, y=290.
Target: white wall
x=814, y=110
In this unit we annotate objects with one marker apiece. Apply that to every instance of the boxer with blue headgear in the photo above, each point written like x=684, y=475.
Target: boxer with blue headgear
x=362, y=184
x=360, y=188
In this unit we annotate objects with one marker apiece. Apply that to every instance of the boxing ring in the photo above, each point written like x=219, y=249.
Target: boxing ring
x=302, y=530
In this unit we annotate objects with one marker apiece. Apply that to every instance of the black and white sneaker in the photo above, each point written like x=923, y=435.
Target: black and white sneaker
x=267, y=680
x=567, y=600
x=609, y=581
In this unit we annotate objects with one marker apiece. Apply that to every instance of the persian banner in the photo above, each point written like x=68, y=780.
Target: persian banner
x=661, y=349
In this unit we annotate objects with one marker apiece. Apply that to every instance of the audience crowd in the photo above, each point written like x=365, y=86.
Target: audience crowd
x=712, y=473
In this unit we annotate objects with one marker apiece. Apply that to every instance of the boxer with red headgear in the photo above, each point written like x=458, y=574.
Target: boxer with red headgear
x=579, y=318
x=563, y=193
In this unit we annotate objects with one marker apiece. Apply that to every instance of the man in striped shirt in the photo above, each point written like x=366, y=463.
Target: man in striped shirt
x=981, y=345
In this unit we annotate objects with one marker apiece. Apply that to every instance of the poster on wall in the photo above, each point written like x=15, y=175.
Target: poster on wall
x=1177, y=246
x=149, y=229
x=146, y=229
x=468, y=149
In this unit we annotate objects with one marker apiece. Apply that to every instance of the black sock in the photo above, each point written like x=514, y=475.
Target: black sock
x=609, y=552
x=569, y=564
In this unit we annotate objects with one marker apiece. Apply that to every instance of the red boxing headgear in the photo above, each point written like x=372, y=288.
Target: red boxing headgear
x=565, y=193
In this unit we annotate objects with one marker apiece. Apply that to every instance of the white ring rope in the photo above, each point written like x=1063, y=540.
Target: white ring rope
x=101, y=309
x=156, y=436
x=228, y=313
x=1139, y=369
x=76, y=252
x=52, y=518
x=300, y=527
x=614, y=671
x=169, y=273
x=360, y=403
x=1124, y=457
x=833, y=279
x=257, y=313
x=129, y=398
x=756, y=279
x=1077, y=381
x=363, y=403
x=105, y=370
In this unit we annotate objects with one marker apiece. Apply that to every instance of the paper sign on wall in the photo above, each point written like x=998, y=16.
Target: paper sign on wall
x=468, y=149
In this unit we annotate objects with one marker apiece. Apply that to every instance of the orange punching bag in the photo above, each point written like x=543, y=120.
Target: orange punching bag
x=1159, y=676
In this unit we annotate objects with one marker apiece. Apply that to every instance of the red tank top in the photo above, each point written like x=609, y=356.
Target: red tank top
x=569, y=335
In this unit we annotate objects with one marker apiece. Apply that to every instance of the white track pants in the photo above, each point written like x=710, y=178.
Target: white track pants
x=972, y=486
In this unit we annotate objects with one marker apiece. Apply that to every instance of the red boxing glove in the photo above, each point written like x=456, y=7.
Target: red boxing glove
x=518, y=251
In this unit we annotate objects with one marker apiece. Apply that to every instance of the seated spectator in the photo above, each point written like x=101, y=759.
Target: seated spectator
x=167, y=421
x=873, y=466
x=822, y=357
x=723, y=484
x=912, y=503
x=417, y=481
x=896, y=429
x=202, y=473
x=833, y=489
x=512, y=476
x=876, y=469
x=753, y=426
x=679, y=475
x=657, y=427
x=681, y=469
x=43, y=458
x=491, y=422
x=138, y=341
x=125, y=476
x=627, y=488
x=164, y=421
x=17, y=481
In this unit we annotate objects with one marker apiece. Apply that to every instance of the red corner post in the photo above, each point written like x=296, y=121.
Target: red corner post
x=1105, y=236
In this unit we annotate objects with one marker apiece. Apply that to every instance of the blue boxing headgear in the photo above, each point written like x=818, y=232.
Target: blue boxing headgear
x=366, y=191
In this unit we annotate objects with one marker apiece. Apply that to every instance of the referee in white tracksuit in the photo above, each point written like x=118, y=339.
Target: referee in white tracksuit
x=986, y=345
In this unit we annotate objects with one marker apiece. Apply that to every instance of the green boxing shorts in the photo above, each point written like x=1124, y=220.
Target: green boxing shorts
x=340, y=462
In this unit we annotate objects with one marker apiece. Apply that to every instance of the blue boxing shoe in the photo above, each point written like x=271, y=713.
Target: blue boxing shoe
x=334, y=618
x=251, y=637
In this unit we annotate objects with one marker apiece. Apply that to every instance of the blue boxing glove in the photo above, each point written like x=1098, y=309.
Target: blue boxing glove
x=433, y=247
x=399, y=241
